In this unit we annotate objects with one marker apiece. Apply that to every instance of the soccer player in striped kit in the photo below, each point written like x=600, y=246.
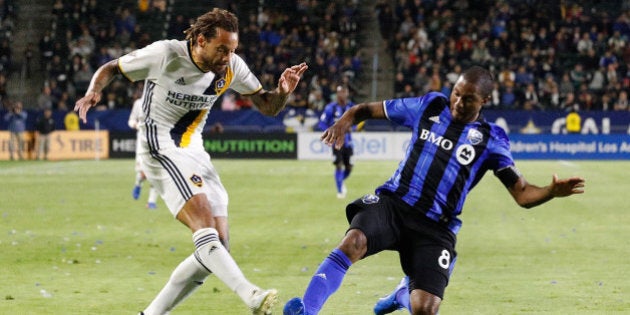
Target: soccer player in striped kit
x=416, y=211
x=183, y=79
x=342, y=156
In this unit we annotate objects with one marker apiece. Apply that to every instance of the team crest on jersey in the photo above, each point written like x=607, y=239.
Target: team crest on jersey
x=474, y=136
x=220, y=84
x=369, y=199
x=196, y=180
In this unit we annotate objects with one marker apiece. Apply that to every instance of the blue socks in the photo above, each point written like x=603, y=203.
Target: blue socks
x=402, y=297
x=339, y=177
x=326, y=281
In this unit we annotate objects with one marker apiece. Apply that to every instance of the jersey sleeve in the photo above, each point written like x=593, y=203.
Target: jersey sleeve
x=144, y=63
x=500, y=147
x=407, y=111
x=245, y=82
x=325, y=118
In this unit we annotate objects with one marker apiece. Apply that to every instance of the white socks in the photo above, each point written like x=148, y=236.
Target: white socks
x=185, y=279
x=152, y=195
x=215, y=257
x=210, y=256
x=139, y=178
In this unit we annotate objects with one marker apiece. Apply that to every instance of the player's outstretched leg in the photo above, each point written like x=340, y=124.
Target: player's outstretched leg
x=326, y=280
x=341, y=193
x=185, y=279
x=263, y=301
x=295, y=306
x=135, y=193
x=152, y=202
x=396, y=300
x=214, y=256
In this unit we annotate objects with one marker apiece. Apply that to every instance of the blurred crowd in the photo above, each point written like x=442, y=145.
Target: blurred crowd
x=546, y=55
x=7, y=25
x=87, y=33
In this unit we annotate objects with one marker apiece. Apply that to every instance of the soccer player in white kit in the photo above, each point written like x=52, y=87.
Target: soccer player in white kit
x=183, y=79
x=135, y=119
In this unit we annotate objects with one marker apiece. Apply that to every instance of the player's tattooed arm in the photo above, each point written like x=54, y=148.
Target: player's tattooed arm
x=272, y=102
x=269, y=103
x=101, y=78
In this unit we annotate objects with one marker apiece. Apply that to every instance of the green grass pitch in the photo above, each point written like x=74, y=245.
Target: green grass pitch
x=73, y=241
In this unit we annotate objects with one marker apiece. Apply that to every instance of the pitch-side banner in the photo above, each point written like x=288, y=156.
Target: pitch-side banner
x=571, y=147
x=392, y=146
x=251, y=145
x=64, y=145
x=367, y=146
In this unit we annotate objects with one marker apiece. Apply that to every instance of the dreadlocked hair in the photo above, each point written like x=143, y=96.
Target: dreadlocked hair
x=208, y=23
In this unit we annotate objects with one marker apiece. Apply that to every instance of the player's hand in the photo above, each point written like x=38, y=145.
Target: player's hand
x=566, y=187
x=290, y=78
x=84, y=104
x=336, y=134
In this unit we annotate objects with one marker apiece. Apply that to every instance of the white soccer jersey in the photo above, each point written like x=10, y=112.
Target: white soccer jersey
x=178, y=95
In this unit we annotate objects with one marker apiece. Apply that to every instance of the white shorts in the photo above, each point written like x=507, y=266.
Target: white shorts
x=178, y=174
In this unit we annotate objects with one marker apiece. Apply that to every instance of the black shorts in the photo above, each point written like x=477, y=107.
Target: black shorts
x=343, y=155
x=426, y=248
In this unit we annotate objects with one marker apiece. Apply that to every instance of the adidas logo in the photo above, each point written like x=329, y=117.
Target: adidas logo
x=321, y=275
x=180, y=81
x=435, y=119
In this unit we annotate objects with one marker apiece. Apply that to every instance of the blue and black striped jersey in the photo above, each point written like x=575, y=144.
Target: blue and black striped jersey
x=445, y=159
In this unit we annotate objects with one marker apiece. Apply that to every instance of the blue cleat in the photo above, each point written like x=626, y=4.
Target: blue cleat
x=389, y=304
x=136, y=192
x=151, y=205
x=295, y=306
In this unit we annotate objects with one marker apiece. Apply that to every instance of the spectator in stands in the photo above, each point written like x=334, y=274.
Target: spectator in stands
x=621, y=103
x=81, y=78
x=45, y=98
x=44, y=126
x=598, y=81
x=5, y=55
x=316, y=100
x=16, y=119
x=530, y=98
x=523, y=77
x=570, y=103
x=566, y=86
x=508, y=98
x=3, y=90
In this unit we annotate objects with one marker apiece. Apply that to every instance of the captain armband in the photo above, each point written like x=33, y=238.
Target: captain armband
x=508, y=175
